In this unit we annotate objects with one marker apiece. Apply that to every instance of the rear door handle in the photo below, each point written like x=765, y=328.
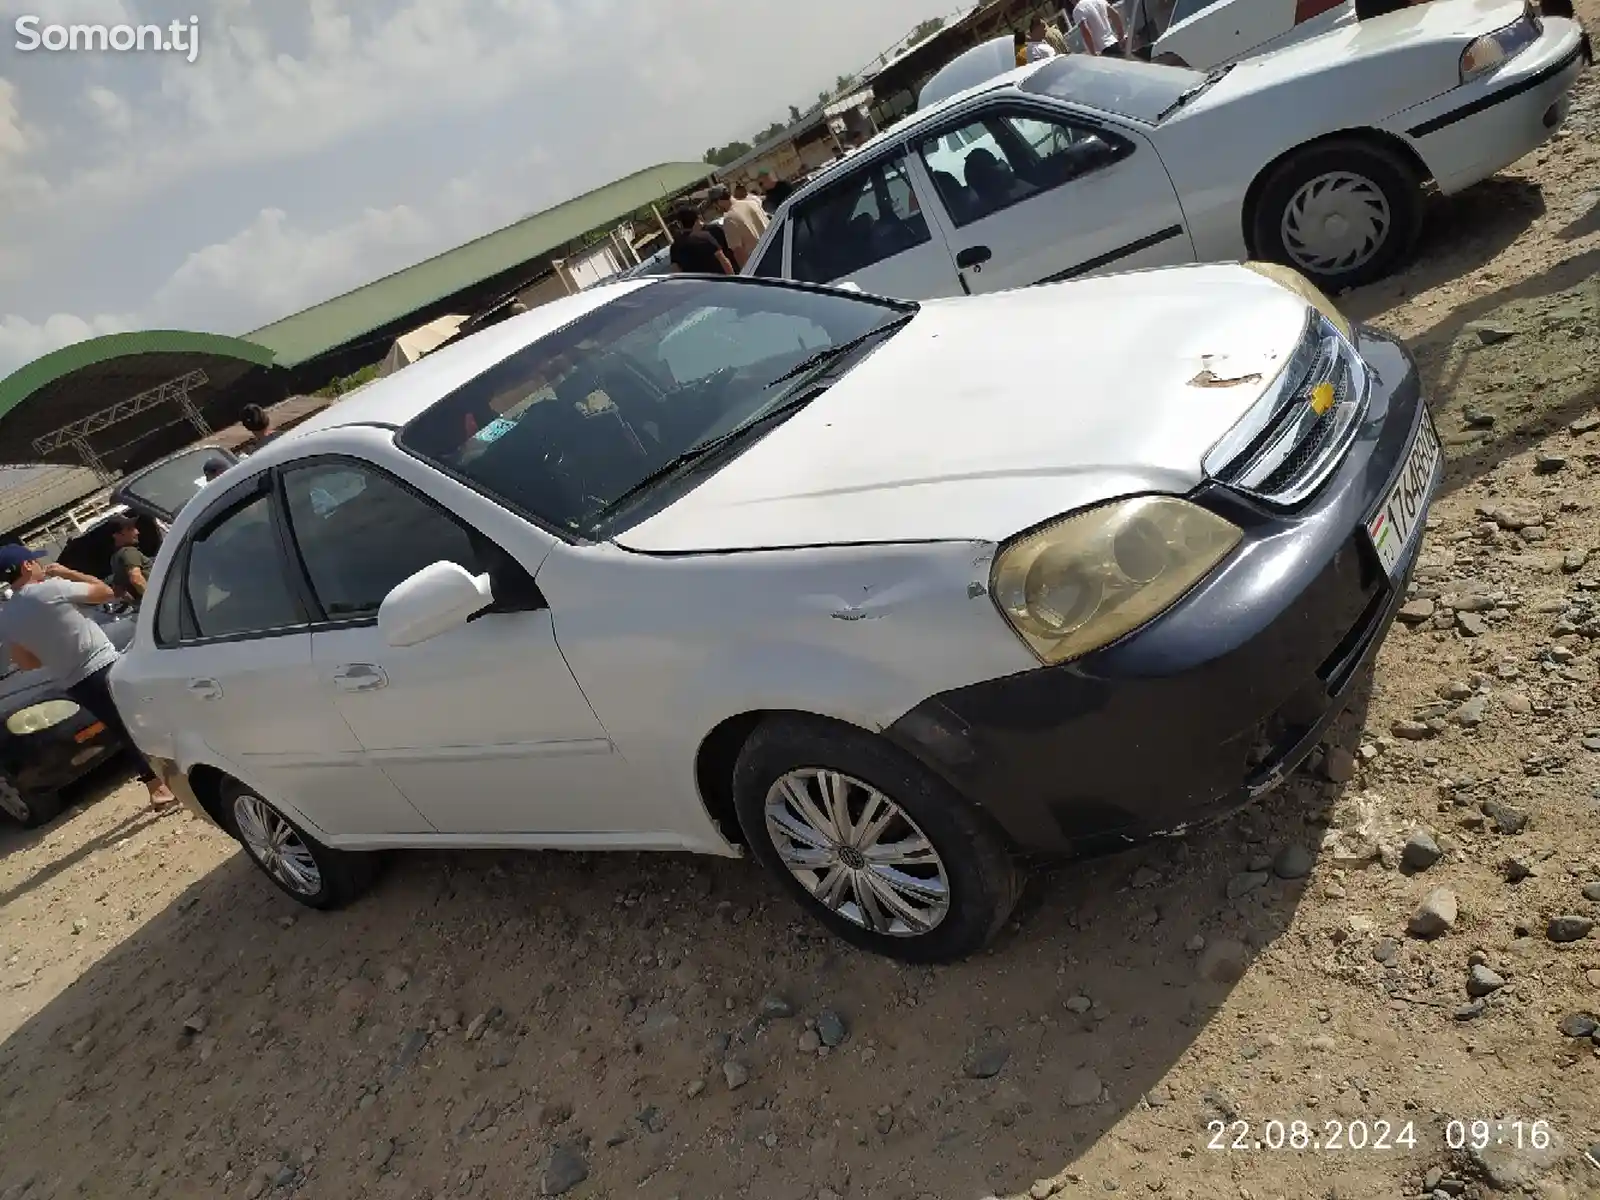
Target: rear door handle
x=205, y=689
x=973, y=258
x=360, y=677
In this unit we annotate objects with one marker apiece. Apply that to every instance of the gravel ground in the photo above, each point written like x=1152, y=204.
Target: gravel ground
x=1399, y=939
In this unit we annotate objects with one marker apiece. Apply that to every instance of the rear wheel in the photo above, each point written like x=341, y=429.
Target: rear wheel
x=874, y=845
x=28, y=811
x=1343, y=213
x=306, y=870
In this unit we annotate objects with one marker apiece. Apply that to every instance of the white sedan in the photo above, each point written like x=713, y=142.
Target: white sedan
x=1316, y=156
x=1207, y=33
x=848, y=584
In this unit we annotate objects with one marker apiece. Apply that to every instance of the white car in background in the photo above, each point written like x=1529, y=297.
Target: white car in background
x=1207, y=33
x=1315, y=156
x=887, y=595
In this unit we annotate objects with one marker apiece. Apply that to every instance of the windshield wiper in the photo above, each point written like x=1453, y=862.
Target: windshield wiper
x=710, y=446
x=831, y=353
x=1190, y=93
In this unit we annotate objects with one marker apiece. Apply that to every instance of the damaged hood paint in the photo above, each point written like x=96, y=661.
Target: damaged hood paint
x=988, y=415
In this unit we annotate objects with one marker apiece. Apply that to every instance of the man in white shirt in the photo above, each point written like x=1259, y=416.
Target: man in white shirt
x=1100, y=26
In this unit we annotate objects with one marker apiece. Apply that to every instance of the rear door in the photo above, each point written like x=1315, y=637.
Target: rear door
x=233, y=665
x=868, y=227
x=1029, y=194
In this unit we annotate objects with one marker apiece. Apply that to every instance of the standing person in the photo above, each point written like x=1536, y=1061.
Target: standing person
x=129, y=564
x=42, y=626
x=750, y=205
x=711, y=222
x=1019, y=42
x=739, y=230
x=1038, y=45
x=1053, y=38
x=254, y=418
x=1101, y=26
x=693, y=249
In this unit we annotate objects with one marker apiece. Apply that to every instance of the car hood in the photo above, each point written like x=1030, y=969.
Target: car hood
x=1426, y=38
x=987, y=415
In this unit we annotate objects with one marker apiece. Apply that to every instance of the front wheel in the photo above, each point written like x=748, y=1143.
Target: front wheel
x=29, y=811
x=315, y=875
x=1343, y=213
x=877, y=847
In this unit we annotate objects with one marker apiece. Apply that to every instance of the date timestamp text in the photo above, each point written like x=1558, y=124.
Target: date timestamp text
x=1380, y=1135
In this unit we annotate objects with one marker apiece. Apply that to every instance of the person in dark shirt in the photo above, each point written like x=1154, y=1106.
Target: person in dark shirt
x=709, y=214
x=694, y=250
x=254, y=418
x=129, y=564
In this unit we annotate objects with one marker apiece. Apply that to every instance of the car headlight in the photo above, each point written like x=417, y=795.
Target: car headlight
x=1083, y=582
x=1297, y=283
x=38, y=717
x=1484, y=54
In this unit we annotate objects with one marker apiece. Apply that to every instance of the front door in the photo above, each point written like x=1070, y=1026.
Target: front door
x=868, y=228
x=483, y=728
x=1032, y=196
x=236, y=664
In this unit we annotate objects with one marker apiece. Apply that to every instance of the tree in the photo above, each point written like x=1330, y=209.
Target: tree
x=926, y=30
x=823, y=98
x=794, y=113
x=721, y=156
x=842, y=85
x=770, y=132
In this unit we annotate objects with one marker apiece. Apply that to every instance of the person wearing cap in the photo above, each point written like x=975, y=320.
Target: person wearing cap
x=129, y=564
x=43, y=625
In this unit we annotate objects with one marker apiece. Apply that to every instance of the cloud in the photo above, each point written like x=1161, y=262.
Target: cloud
x=14, y=141
x=23, y=341
x=110, y=109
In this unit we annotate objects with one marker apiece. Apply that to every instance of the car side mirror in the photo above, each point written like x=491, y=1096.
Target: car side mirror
x=435, y=600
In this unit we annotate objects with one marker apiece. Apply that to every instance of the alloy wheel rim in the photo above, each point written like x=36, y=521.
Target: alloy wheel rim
x=1336, y=222
x=857, y=852
x=12, y=802
x=274, y=844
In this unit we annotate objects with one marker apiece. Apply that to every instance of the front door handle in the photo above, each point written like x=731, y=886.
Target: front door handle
x=360, y=677
x=973, y=258
x=205, y=689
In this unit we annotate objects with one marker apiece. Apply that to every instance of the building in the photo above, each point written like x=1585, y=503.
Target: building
x=815, y=140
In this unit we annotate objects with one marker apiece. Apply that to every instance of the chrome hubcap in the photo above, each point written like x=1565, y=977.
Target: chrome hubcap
x=857, y=852
x=12, y=802
x=274, y=844
x=1335, y=222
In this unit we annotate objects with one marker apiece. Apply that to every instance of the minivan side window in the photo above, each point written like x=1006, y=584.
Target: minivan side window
x=866, y=217
x=770, y=264
x=360, y=533
x=234, y=579
x=1006, y=158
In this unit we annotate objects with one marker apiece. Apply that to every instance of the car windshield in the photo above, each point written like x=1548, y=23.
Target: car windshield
x=168, y=486
x=1129, y=88
x=592, y=428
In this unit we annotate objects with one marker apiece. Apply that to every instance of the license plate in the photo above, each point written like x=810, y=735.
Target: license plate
x=89, y=731
x=1396, y=524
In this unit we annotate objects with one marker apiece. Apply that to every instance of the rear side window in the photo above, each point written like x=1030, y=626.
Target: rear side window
x=360, y=533
x=861, y=220
x=234, y=577
x=770, y=264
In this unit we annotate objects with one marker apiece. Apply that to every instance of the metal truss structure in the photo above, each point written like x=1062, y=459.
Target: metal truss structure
x=77, y=433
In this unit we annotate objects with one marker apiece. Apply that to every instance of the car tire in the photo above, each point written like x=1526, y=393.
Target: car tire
x=1373, y=189
x=967, y=864
x=302, y=867
x=28, y=811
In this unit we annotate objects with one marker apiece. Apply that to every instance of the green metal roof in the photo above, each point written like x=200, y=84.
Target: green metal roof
x=305, y=335
x=41, y=372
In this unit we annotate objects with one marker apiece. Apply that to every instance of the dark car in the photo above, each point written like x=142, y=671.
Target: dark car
x=47, y=741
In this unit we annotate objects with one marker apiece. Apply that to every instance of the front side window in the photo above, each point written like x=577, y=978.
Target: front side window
x=235, y=580
x=863, y=219
x=592, y=427
x=360, y=533
x=1006, y=158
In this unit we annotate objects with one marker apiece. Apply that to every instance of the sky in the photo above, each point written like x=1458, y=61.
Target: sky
x=315, y=145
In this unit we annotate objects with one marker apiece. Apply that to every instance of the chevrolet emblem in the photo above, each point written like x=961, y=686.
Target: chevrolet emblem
x=1322, y=397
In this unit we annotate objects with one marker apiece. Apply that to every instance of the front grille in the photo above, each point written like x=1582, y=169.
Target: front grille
x=1284, y=449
